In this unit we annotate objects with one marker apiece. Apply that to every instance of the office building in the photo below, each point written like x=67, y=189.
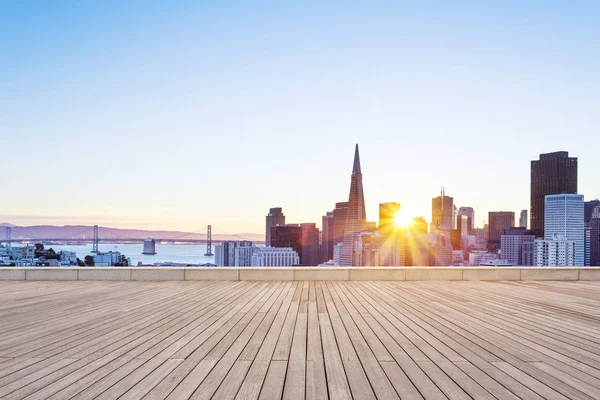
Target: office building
x=337, y=253
x=518, y=246
x=594, y=226
x=554, y=252
x=310, y=245
x=274, y=218
x=497, y=221
x=340, y=215
x=356, y=219
x=463, y=225
x=419, y=225
x=587, y=245
x=442, y=212
x=243, y=254
x=523, y=219
x=387, y=217
x=289, y=235
x=469, y=212
x=588, y=209
x=225, y=253
x=553, y=173
x=563, y=217
x=327, y=234
x=274, y=257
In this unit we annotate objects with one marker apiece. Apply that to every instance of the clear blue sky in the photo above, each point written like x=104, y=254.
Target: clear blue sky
x=133, y=114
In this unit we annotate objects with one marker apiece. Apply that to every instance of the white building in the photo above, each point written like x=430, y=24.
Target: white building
x=556, y=252
x=337, y=253
x=107, y=259
x=243, y=254
x=274, y=257
x=68, y=257
x=517, y=246
x=564, y=218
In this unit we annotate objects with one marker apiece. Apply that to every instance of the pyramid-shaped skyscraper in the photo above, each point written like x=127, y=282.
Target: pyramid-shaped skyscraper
x=356, y=220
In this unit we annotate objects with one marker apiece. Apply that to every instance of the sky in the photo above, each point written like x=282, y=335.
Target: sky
x=175, y=115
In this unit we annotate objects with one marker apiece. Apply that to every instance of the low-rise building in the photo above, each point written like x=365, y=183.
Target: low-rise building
x=275, y=257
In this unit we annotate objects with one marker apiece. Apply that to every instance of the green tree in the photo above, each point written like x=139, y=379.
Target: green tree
x=89, y=261
x=80, y=263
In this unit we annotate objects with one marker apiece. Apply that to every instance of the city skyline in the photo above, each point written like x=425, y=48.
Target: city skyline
x=178, y=116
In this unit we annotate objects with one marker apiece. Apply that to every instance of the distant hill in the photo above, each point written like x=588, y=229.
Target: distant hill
x=87, y=231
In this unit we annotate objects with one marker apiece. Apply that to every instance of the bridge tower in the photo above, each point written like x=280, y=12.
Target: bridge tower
x=209, y=252
x=8, y=236
x=95, y=242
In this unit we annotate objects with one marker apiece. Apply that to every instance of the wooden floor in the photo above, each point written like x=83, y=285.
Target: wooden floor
x=296, y=340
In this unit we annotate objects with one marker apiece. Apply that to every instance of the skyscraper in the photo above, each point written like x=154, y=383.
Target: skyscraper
x=387, y=216
x=497, y=221
x=553, y=173
x=595, y=237
x=470, y=213
x=289, y=235
x=563, y=217
x=523, y=219
x=588, y=209
x=310, y=244
x=274, y=218
x=327, y=228
x=356, y=219
x=340, y=215
x=442, y=212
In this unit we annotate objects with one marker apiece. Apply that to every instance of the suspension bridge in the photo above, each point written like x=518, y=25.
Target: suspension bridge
x=97, y=234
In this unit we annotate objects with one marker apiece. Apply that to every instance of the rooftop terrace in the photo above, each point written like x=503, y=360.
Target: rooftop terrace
x=300, y=339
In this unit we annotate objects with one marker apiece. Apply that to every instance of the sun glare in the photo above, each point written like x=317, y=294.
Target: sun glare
x=401, y=220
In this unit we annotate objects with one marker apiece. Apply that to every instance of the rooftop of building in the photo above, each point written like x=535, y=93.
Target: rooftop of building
x=300, y=339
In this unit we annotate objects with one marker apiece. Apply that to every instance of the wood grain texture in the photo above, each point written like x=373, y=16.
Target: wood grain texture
x=300, y=340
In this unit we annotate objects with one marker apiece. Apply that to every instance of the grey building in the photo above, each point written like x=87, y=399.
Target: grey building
x=518, y=246
x=274, y=218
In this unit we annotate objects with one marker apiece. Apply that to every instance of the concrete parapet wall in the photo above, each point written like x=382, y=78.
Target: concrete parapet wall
x=300, y=273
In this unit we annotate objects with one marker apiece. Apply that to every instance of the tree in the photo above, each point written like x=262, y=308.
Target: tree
x=89, y=261
x=80, y=263
x=39, y=250
x=51, y=254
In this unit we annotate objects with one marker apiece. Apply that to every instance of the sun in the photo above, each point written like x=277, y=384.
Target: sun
x=402, y=220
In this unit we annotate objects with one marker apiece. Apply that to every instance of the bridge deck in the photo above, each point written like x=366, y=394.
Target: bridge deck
x=313, y=340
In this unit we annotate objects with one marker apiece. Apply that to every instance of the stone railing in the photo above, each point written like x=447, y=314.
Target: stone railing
x=299, y=273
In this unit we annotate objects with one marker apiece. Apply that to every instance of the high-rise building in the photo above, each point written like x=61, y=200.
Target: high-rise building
x=289, y=235
x=225, y=254
x=553, y=173
x=310, y=245
x=497, y=221
x=518, y=246
x=274, y=257
x=387, y=217
x=274, y=218
x=463, y=225
x=588, y=209
x=243, y=254
x=356, y=220
x=554, y=252
x=587, y=244
x=523, y=219
x=340, y=215
x=419, y=225
x=563, y=217
x=442, y=212
x=327, y=228
x=595, y=237
x=469, y=212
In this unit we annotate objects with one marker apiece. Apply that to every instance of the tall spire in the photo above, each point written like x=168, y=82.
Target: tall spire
x=356, y=218
x=356, y=166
